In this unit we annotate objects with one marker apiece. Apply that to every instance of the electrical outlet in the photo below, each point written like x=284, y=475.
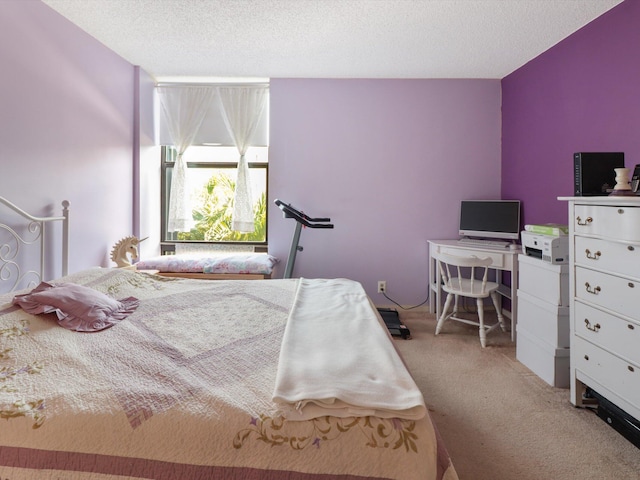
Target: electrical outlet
x=382, y=286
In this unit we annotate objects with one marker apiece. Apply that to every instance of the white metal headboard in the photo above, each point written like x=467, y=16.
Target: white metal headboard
x=15, y=273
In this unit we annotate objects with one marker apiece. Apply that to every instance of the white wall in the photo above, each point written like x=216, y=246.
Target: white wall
x=147, y=187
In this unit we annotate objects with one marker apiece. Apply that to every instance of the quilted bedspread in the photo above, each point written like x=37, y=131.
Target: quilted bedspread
x=181, y=389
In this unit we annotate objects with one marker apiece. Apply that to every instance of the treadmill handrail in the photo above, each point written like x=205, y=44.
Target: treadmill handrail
x=301, y=217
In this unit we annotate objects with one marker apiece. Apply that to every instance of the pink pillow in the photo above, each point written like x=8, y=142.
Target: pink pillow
x=79, y=308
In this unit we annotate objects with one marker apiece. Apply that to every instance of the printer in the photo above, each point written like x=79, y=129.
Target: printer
x=552, y=249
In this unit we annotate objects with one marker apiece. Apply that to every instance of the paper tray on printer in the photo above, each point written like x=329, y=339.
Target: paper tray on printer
x=548, y=248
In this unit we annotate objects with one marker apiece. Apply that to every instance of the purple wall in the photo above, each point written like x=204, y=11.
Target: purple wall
x=581, y=95
x=388, y=161
x=66, y=127
x=73, y=116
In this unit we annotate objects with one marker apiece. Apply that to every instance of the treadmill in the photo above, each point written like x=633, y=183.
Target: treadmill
x=390, y=316
x=301, y=220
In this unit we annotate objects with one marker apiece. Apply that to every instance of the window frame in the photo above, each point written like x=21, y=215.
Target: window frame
x=168, y=247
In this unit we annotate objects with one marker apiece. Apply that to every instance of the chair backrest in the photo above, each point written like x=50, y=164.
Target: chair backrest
x=459, y=273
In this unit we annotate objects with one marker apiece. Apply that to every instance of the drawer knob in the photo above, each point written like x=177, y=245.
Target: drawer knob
x=594, y=291
x=586, y=357
x=585, y=222
x=631, y=285
x=631, y=248
x=631, y=369
x=630, y=327
x=593, y=328
x=592, y=256
x=621, y=211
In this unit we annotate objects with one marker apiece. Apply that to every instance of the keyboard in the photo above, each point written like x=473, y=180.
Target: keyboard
x=479, y=242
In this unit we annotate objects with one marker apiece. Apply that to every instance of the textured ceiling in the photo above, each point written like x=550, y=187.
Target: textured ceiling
x=330, y=38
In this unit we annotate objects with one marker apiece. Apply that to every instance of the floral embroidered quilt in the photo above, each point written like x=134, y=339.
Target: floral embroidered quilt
x=182, y=389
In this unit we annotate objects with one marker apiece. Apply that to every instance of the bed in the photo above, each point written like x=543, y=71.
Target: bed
x=185, y=379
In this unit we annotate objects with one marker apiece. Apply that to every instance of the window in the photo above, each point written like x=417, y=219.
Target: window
x=211, y=173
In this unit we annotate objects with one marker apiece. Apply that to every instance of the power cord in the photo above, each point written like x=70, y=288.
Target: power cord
x=405, y=308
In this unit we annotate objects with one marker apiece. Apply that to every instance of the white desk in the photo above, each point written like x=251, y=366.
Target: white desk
x=504, y=260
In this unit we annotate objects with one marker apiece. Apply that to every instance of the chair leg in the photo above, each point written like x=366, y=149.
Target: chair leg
x=447, y=303
x=496, y=304
x=455, y=305
x=482, y=331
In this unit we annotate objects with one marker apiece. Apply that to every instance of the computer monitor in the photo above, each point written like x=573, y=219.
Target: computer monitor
x=490, y=219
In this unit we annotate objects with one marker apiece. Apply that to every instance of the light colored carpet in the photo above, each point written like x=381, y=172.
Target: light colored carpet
x=498, y=419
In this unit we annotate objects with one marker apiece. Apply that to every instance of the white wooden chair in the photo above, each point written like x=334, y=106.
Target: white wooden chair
x=467, y=277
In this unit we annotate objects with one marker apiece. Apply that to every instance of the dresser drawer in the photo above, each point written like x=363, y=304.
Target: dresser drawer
x=611, y=372
x=608, y=331
x=610, y=292
x=621, y=258
x=621, y=223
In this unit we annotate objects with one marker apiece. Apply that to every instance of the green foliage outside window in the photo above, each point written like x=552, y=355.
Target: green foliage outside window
x=213, y=216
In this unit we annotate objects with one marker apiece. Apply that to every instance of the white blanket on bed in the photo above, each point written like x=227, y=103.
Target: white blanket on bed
x=338, y=359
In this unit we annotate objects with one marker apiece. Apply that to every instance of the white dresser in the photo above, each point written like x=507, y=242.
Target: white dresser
x=605, y=299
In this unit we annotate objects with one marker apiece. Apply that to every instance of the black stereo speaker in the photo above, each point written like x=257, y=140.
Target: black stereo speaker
x=594, y=172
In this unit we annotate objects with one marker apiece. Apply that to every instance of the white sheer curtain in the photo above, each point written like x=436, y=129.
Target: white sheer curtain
x=184, y=108
x=241, y=108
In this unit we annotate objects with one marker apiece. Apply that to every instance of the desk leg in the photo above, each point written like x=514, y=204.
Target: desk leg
x=435, y=290
x=514, y=299
x=500, y=280
x=438, y=286
x=432, y=280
